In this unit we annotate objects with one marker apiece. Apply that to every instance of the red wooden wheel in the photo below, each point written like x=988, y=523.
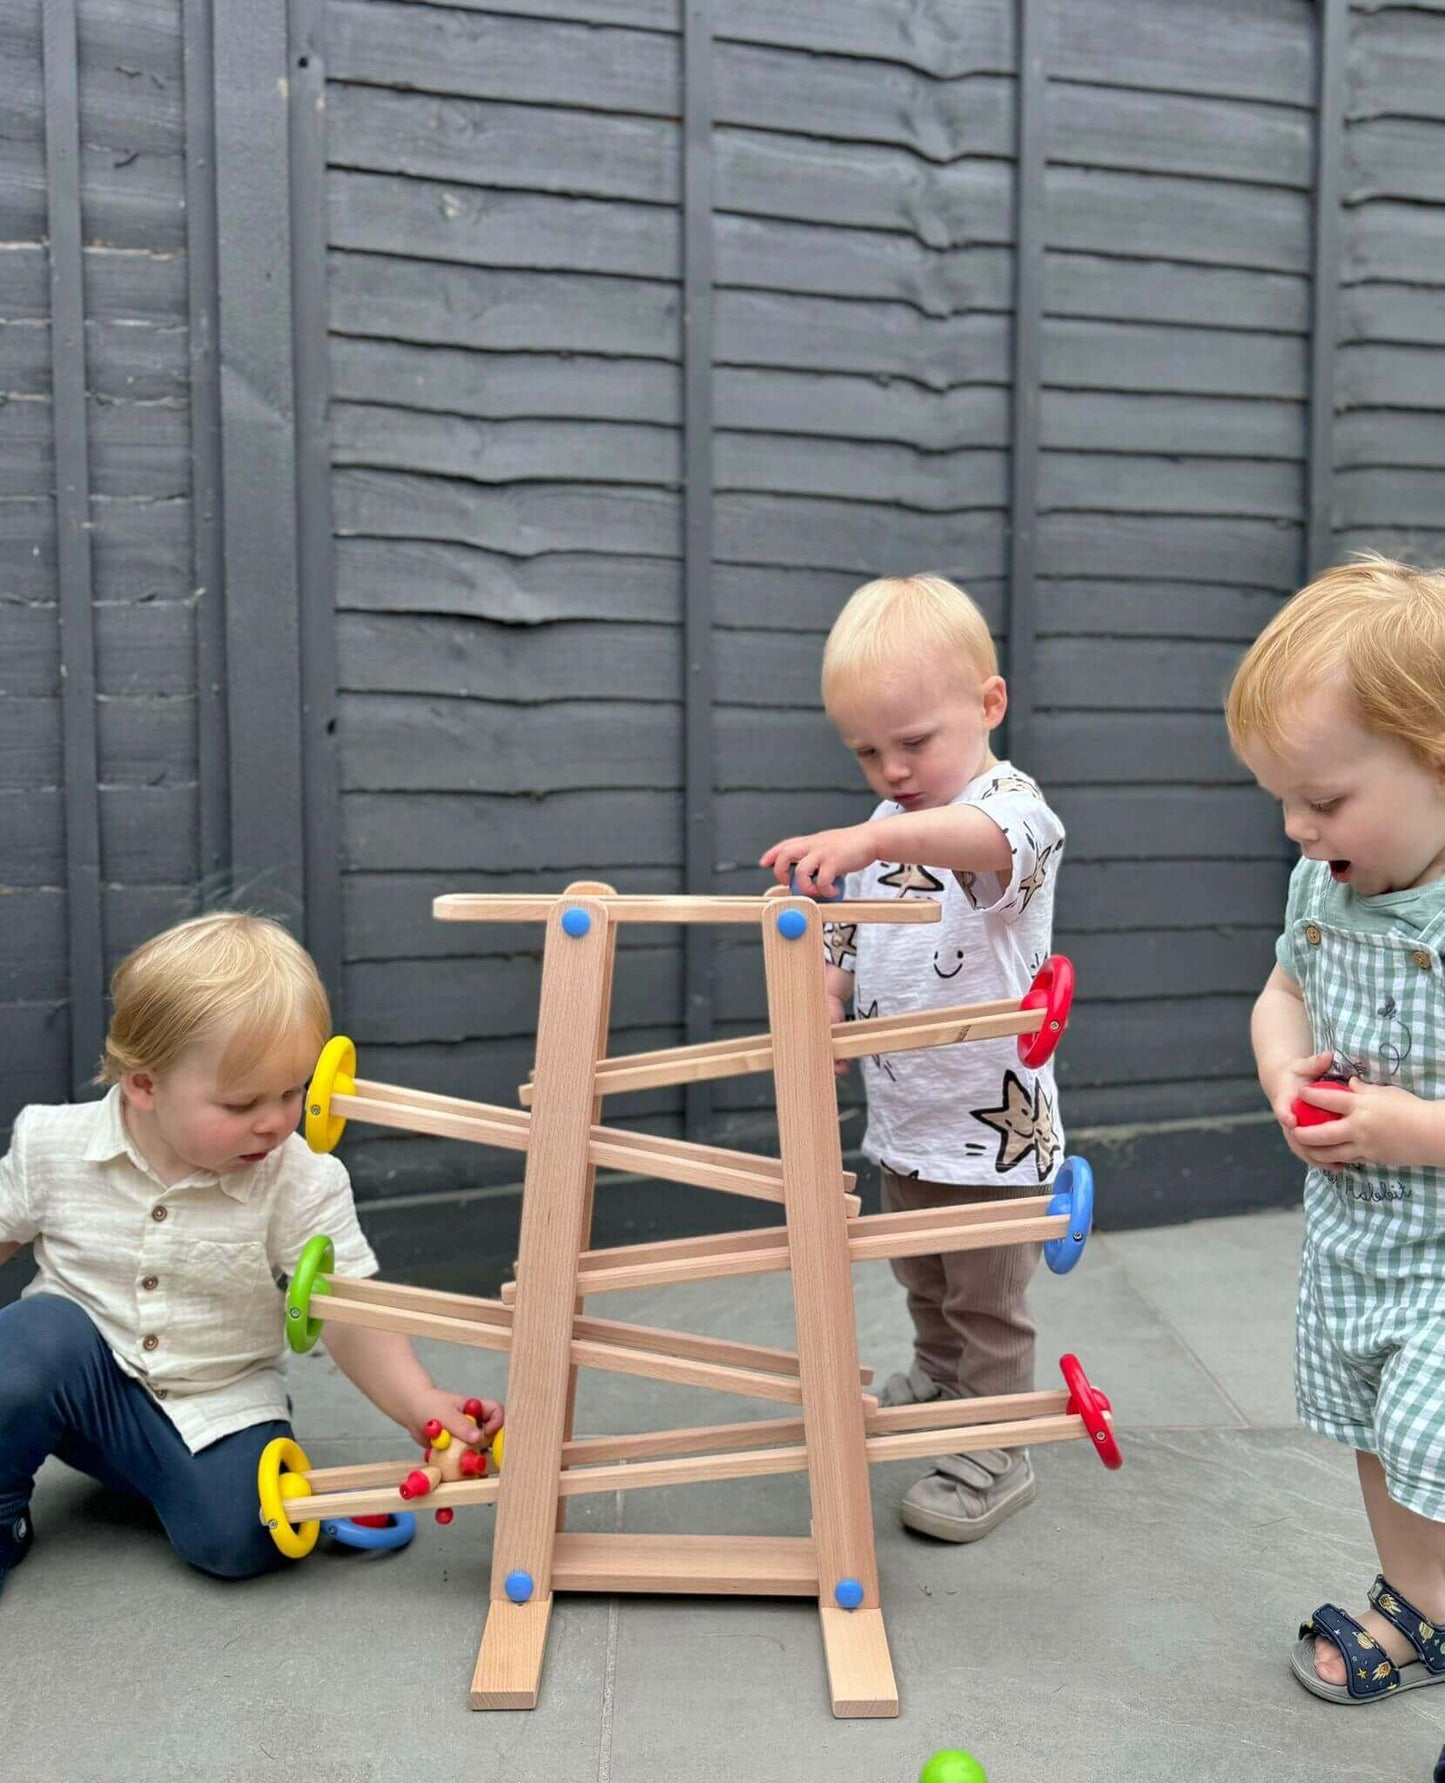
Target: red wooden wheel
x=1052, y=991
x=1090, y=1404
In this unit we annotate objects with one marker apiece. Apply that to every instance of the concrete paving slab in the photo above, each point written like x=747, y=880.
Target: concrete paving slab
x=1128, y=1628
x=1226, y=1289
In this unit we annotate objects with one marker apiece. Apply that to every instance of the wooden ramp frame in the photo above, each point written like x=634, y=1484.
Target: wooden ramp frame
x=839, y=1430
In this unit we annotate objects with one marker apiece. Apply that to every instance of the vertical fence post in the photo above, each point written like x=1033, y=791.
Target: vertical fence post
x=1032, y=157
x=1334, y=30
x=85, y=932
x=258, y=456
x=316, y=555
x=700, y=818
x=207, y=568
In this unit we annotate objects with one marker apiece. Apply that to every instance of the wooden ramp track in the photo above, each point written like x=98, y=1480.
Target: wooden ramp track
x=850, y=1040
x=750, y=1370
x=895, y=1433
x=630, y=907
x=612, y=1148
x=765, y=1249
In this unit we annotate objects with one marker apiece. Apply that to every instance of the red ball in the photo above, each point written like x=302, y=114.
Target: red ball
x=445, y=1514
x=473, y=1409
x=1307, y=1114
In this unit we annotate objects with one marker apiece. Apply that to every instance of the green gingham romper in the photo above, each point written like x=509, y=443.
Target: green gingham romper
x=1370, y=1328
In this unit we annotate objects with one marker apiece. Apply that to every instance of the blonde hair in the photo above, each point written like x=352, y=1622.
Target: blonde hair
x=904, y=619
x=1376, y=624
x=202, y=975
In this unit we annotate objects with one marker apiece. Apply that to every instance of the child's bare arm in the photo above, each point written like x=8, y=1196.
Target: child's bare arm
x=959, y=838
x=389, y=1372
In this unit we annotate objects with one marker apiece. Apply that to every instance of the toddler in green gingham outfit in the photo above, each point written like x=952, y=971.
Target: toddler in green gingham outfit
x=1338, y=710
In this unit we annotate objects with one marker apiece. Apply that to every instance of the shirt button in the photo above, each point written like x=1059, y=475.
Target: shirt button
x=1423, y=960
x=151, y=1343
x=160, y=1392
x=159, y=1213
x=150, y=1282
x=1312, y=935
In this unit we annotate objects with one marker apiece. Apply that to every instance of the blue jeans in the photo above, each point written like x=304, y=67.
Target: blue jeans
x=62, y=1393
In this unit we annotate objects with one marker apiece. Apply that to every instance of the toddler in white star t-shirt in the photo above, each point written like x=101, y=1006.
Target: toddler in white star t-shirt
x=910, y=679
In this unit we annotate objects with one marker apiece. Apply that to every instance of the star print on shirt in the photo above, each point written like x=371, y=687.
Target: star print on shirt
x=908, y=878
x=1024, y=1124
x=1010, y=783
x=882, y=1060
x=1033, y=881
x=841, y=941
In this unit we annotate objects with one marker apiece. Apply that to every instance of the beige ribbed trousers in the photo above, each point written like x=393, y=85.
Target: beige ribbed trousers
x=972, y=1329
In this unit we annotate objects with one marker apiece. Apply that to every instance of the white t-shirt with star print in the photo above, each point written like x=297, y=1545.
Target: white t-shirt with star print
x=972, y=1113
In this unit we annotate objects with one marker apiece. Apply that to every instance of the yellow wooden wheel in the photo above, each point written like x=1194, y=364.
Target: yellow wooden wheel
x=274, y=1487
x=335, y=1073
x=499, y=1444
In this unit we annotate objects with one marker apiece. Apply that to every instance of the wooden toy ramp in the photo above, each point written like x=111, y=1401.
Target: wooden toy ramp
x=838, y=1429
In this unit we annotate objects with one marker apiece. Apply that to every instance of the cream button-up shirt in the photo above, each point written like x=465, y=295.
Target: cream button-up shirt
x=181, y=1280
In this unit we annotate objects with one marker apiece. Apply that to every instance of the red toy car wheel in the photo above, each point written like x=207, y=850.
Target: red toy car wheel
x=1052, y=991
x=1090, y=1405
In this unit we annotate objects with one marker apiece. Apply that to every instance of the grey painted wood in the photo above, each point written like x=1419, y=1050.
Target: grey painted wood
x=147, y=834
x=385, y=214
x=136, y=449
x=117, y=282
x=203, y=282
x=1267, y=55
x=463, y=745
x=145, y=363
x=703, y=470
x=315, y=522
x=258, y=456
x=560, y=62
x=504, y=257
x=80, y=768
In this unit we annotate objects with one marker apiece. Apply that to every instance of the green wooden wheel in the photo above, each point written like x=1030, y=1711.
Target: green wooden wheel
x=318, y=1259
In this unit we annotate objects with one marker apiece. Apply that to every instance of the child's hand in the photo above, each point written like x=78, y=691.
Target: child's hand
x=437, y=1402
x=819, y=859
x=1379, y=1124
x=1288, y=1082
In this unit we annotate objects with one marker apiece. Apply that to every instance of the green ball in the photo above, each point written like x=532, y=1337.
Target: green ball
x=953, y=1767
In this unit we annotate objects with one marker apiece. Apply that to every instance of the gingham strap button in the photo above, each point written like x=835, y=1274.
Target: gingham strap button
x=1312, y=933
x=1423, y=959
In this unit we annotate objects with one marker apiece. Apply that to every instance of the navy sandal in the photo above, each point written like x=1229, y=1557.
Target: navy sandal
x=1369, y=1671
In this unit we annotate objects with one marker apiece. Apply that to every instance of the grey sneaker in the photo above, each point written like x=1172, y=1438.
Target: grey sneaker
x=968, y=1495
x=914, y=1388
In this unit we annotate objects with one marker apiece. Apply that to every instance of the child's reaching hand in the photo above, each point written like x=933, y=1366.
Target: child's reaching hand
x=819, y=859
x=446, y=1407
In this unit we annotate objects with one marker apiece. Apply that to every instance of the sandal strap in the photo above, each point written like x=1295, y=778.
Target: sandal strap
x=1422, y=1634
x=1369, y=1670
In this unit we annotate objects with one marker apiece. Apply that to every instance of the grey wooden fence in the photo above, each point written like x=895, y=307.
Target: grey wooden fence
x=436, y=440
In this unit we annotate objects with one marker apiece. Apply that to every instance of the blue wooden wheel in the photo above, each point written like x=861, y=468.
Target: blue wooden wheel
x=1073, y=1195
x=394, y=1534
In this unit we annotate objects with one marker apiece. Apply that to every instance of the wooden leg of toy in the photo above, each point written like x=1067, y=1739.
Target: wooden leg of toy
x=590, y=888
x=510, y=1662
x=860, y=1671
x=575, y=975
